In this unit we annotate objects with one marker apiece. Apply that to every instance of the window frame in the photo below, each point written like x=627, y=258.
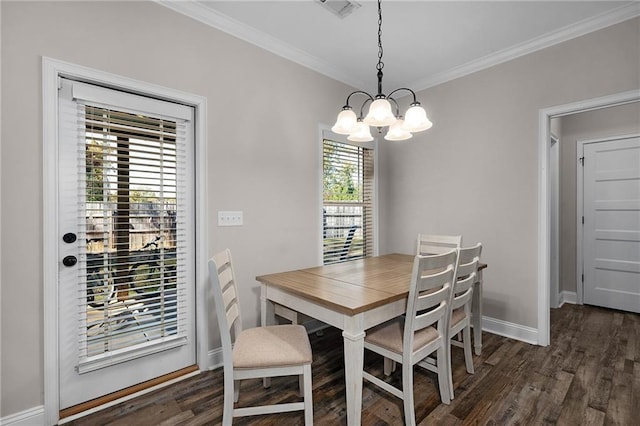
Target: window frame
x=326, y=133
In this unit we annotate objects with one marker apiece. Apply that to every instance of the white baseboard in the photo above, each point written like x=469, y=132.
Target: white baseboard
x=568, y=297
x=510, y=330
x=215, y=358
x=31, y=417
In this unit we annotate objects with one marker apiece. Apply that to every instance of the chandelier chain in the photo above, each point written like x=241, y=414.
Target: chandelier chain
x=380, y=64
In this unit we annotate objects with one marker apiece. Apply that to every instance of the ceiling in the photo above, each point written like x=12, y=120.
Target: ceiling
x=425, y=42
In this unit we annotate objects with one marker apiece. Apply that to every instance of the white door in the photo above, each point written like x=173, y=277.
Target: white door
x=126, y=237
x=611, y=238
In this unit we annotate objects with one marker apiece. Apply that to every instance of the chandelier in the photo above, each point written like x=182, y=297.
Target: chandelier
x=381, y=113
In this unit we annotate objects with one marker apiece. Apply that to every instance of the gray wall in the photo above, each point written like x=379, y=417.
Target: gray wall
x=614, y=121
x=263, y=149
x=476, y=171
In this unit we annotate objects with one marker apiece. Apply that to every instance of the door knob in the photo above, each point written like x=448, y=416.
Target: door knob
x=69, y=261
x=69, y=238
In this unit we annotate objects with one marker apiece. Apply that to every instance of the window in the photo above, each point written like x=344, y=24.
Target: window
x=347, y=208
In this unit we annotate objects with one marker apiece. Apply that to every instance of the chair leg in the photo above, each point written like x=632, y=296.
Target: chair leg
x=444, y=373
x=449, y=369
x=229, y=396
x=308, y=395
x=468, y=357
x=301, y=385
x=389, y=366
x=407, y=394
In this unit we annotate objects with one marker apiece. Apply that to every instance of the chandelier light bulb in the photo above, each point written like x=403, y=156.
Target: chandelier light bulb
x=346, y=123
x=397, y=133
x=362, y=133
x=416, y=120
x=380, y=114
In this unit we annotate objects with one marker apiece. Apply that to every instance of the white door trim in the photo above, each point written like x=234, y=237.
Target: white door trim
x=52, y=69
x=580, y=143
x=554, y=169
x=544, y=115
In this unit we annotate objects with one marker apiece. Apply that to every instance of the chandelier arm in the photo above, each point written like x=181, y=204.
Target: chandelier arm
x=347, y=105
x=369, y=99
x=405, y=88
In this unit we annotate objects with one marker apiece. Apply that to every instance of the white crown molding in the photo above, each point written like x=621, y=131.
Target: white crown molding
x=202, y=13
x=578, y=29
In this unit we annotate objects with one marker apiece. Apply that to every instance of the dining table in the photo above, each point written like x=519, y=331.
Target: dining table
x=352, y=296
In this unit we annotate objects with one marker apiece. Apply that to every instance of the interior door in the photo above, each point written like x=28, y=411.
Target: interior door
x=611, y=238
x=126, y=236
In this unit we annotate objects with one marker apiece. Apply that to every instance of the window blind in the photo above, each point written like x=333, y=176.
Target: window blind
x=348, y=188
x=132, y=216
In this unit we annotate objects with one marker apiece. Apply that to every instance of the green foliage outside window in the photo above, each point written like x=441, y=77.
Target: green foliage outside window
x=339, y=177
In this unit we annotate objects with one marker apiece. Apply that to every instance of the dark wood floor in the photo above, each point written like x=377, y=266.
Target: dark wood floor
x=589, y=375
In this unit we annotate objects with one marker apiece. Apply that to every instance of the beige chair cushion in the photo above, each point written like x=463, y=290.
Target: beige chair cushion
x=457, y=316
x=389, y=335
x=273, y=346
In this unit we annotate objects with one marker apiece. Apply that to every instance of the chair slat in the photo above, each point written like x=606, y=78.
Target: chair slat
x=429, y=244
x=232, y=314
x=429, y=318
x=229, y=296
x=226, y=276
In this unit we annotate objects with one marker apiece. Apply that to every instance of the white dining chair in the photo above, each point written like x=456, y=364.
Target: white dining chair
x=428, y=244
x=460, y=306
x=260, y=352
x=409, y=340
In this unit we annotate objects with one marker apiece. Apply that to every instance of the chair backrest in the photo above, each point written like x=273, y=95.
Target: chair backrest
x=429, y=295
x=437, y=244
x=225, y=296
x=466, y=273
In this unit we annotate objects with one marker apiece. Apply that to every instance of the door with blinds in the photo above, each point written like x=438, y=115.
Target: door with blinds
x=126, y=237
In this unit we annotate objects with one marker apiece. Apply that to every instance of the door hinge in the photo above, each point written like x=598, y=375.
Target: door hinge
x=581, y=159
x=583, y=220
x=582, y=277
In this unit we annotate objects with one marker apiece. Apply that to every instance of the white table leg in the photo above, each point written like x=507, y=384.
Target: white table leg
x=476, y=317
x=353, y=364
x=267, y=309
x=267, y=317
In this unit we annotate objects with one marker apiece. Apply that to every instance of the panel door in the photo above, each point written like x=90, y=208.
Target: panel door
x=611, y=237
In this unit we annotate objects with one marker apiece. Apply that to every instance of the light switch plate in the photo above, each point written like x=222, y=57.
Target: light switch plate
x=227, y=218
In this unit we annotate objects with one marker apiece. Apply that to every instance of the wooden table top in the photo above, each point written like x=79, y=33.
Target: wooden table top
x=350, y=287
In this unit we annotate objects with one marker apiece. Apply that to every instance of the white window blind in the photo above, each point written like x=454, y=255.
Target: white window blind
x=348, y=188
x=132, y=217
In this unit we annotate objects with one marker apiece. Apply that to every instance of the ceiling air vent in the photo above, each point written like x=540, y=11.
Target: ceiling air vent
x=340, y=8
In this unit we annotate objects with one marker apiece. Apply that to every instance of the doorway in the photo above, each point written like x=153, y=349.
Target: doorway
x=544, y=202
x=103, y=289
